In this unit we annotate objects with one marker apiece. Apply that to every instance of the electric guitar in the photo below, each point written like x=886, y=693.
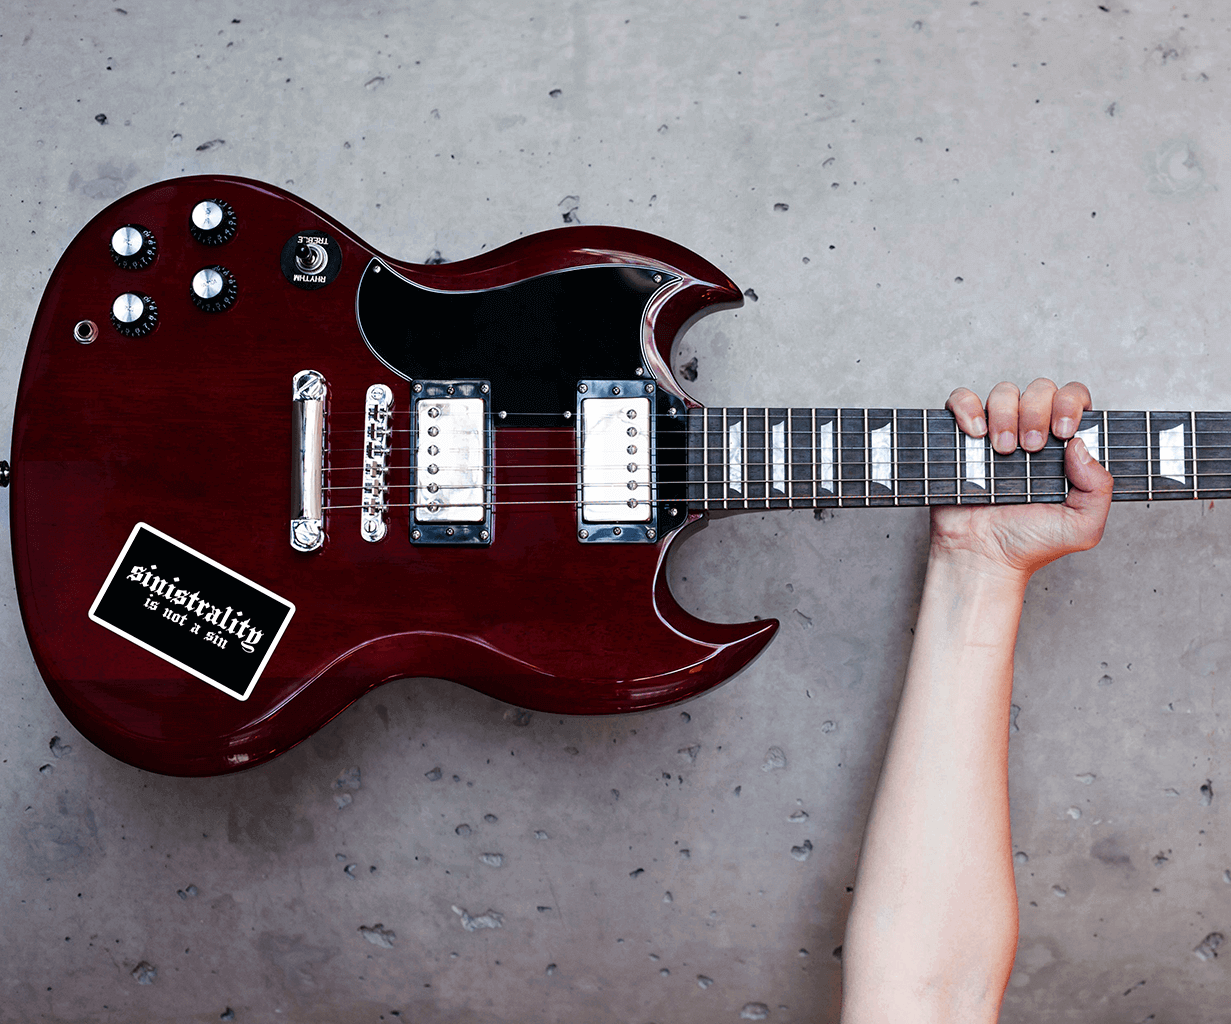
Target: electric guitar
x=259, y=468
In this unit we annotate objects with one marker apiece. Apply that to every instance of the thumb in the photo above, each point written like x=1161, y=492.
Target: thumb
x=1090, y=491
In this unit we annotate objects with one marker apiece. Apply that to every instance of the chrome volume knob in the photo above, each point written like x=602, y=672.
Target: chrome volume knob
x=212, y=222
x=213, y=289
x=134, y=315
x=133, y=247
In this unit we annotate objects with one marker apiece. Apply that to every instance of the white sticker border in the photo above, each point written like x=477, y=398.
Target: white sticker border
x=166, y=657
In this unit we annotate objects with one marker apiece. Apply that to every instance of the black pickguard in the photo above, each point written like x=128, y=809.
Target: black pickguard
x=533, y=340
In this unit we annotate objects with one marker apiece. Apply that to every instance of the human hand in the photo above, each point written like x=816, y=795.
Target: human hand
x=1018, y=539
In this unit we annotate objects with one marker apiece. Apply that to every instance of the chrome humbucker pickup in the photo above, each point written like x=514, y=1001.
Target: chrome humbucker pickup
x=377, y=407
x=616, y=499
x=451, y=462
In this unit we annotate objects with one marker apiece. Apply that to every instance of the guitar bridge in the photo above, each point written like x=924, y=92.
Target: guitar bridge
x=377, y=406
x=451, y=462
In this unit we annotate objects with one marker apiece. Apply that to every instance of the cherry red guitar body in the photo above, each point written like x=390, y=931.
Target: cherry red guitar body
x=188, y=428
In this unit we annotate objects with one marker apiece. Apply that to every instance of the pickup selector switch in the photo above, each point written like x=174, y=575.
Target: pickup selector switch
x=133, y=247
x=213, y=289
x=311, y=259
x=212, y=222
x=134, y=315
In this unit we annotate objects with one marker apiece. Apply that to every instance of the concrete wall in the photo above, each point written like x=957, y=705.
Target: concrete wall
x=921, y=194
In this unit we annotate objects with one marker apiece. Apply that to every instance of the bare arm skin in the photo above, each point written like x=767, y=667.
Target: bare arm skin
x=933, y=928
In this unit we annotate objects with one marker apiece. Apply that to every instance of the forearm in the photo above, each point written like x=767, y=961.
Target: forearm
x=933, y=927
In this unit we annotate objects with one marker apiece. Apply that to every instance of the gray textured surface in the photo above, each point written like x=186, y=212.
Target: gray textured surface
x=973, y=191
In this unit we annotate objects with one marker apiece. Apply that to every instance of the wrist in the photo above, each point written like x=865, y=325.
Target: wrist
x=971, y=607
x=970, y=568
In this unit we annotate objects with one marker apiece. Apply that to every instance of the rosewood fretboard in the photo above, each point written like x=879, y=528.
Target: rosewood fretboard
x=757, y=458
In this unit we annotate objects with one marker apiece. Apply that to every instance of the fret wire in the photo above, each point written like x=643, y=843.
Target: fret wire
x=838, y=446
x=957, y=461
x=1192, y=426
x=815, y=496
x=991, y=466
x=1107, y=444
x=1029, y=480
x=867, y=461
x=788, y=455
x=1065, y=481
x=1149, y=459
x=765, y=445
x=745, y=467
x=726, y=462
x=927, y=499
x=705, y=451
x=895, y=456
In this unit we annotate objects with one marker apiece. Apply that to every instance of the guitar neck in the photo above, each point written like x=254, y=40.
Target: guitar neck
x=758, y=458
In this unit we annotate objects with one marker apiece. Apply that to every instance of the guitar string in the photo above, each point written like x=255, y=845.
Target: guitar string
x=1052, y=458
x=850, y=500
x=1051, y=451
x=758, y=446
x=947, y=432
x=1163, y=483
x=1049, y=456
x=830, y=412
x=935, y=416
x=1054, y=444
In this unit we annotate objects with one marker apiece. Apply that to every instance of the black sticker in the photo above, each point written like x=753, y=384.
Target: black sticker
x=191, y=611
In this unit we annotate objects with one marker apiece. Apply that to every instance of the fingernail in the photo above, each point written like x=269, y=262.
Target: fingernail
x=1005, y=441
x=979, y=426
x=1065, y=427
x=1032, y=440
x=1083, y=453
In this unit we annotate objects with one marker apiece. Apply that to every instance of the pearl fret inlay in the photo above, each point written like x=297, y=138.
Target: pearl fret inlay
x=1171, y=453
x=976, y=462
x=827, y=454
x=735, y=457
x=778, y=454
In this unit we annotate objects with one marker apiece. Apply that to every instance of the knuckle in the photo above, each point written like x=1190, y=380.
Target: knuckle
x=1078, y=392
